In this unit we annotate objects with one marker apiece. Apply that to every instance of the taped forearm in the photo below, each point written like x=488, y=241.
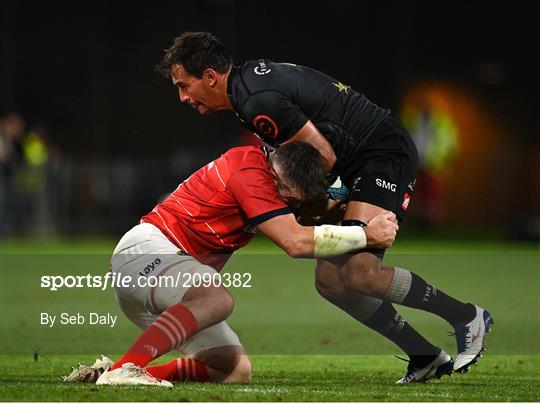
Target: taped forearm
x=329, y=240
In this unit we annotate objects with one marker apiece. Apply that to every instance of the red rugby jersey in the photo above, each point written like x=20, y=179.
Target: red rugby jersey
x=214, y=211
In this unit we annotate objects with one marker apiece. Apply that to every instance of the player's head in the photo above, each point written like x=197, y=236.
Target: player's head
x=300, y=174
x=198, y=64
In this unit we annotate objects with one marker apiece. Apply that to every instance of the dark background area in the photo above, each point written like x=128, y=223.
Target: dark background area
x=84, y=70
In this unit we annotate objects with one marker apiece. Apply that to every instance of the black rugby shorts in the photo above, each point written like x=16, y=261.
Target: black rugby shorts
x=383, y=170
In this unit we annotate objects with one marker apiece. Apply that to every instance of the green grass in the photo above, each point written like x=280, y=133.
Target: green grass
x=302, y=348
x=288, y=378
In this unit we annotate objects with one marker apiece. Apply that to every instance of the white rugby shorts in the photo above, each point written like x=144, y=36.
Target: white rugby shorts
x=145, y=251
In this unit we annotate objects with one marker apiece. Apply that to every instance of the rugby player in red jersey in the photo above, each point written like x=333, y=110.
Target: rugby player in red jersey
x=194, y=231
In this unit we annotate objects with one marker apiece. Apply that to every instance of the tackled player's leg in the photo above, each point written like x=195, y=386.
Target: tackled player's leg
x=170, y=313
x=213, y=355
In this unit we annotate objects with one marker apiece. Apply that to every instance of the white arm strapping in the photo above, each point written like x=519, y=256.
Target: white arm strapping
x=329, y=240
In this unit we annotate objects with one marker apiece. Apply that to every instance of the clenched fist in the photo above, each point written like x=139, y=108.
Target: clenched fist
x=381, y=231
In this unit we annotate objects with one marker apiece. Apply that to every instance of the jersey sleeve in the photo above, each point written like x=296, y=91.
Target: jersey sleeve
x=255, y=192
x=273, y=116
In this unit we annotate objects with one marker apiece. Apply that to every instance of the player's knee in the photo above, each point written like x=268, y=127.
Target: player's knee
x=331, y=291
x=359, y=273
x=328, y=283
x=227, y=365
x=242, y=372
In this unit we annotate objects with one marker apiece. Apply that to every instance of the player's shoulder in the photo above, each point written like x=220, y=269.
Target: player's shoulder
x=265, y=67
x=246, y=157
x=267, y=75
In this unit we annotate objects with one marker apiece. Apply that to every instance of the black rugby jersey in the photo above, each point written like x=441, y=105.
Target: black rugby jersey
x=275, y=100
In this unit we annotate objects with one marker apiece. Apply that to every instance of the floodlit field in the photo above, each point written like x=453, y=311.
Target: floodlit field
x=303, y=348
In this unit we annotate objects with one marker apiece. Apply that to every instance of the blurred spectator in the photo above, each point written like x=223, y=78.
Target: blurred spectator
x=12, y=128
x=435, y=135
x=34, y=181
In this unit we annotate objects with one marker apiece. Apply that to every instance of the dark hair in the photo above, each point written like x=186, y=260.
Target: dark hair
x=303, y=168
x=195, y=51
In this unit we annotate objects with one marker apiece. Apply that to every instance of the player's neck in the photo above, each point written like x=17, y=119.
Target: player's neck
x=220, y=96
x=227, y=104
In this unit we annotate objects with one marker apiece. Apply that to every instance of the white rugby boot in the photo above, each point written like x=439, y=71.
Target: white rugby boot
x=441, y=365
x=470, y=339
x=131, y=374
x=89, y=374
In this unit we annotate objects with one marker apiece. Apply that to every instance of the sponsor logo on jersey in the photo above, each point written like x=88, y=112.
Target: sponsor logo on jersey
x=385, y=184
x=265, y=126
x=356, y=184
x=406, y=200
x=261, y=69
x=150, y=267
x=341, y=87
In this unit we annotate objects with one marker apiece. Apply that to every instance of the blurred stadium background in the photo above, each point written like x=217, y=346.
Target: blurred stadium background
x=91, y=137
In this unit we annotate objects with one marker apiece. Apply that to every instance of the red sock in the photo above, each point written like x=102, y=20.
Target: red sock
x=184, y=369
x=170, y=330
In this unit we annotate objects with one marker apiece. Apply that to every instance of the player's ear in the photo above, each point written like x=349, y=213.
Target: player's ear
x=210, y=75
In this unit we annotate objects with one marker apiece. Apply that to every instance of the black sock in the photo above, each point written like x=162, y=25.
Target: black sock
x=389, y=323
x=426, y=297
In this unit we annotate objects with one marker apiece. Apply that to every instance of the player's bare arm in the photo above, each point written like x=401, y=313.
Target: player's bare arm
x=310, y=134
x=308, y=242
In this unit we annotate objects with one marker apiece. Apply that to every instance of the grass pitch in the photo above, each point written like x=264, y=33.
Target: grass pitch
x=288, y=378
x=302, y=348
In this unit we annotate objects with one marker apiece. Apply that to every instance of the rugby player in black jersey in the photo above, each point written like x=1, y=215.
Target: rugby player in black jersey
x=375, y=158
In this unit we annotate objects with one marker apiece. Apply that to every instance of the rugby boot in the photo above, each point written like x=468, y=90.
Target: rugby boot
x=470, y=340
x=440, y=366
x=89, y=374
x=131, y=374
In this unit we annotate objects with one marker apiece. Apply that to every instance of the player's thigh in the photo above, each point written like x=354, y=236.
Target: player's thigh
x=330, y=284
x=135, y=311
x=327, y=279
x=186, y=280
x=158, y=275
x=359, y=266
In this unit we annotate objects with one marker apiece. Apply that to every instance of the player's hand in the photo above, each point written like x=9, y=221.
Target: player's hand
x=381, y=231
x=331, y=212
x=335, y=209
